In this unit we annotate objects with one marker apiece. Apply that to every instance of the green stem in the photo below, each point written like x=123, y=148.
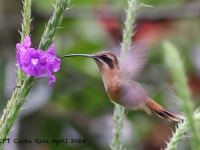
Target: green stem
x=13, y=107
x=176, y=68
x=119, y=115
x=26, y=18
x=179, y=134
x=54, y=23
x=21, y=91
x=119, y=111
x=129, y=25
x=24, y=83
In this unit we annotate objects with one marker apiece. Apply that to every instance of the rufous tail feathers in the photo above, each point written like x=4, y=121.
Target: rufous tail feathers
x=161, y=112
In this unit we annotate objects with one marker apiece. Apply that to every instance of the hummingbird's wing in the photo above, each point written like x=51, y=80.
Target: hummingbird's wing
x=133, y=61
x=132, y=94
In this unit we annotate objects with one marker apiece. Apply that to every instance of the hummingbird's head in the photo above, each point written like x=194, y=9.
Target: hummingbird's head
x=104, y=59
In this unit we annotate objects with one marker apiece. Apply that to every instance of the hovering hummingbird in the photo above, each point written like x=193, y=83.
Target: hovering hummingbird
x=119, y=81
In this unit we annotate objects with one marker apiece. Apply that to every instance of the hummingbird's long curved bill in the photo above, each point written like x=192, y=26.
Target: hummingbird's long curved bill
x=82, y=55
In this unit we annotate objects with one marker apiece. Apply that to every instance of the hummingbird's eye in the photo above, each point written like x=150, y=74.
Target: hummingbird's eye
x=104, y=57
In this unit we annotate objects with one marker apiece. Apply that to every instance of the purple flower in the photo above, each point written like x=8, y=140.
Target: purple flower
x=53, y=64
x=34, y=62
x=52, y=79
x=37, y=62
x=22, y=50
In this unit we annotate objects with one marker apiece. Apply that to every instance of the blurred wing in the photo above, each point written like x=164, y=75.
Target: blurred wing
x=132, y=95
x=132, y=61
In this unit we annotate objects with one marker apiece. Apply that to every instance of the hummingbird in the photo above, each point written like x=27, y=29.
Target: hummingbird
x=119, y=82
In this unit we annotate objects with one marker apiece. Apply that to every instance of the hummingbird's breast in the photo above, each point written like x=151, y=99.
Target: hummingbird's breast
x=114, y=92
x=112, y=85
x=124, y=91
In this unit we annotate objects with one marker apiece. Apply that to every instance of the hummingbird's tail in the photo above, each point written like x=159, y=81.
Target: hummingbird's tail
x=161, y=112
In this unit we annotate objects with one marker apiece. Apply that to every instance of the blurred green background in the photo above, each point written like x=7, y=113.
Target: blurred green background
x=77, y=106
